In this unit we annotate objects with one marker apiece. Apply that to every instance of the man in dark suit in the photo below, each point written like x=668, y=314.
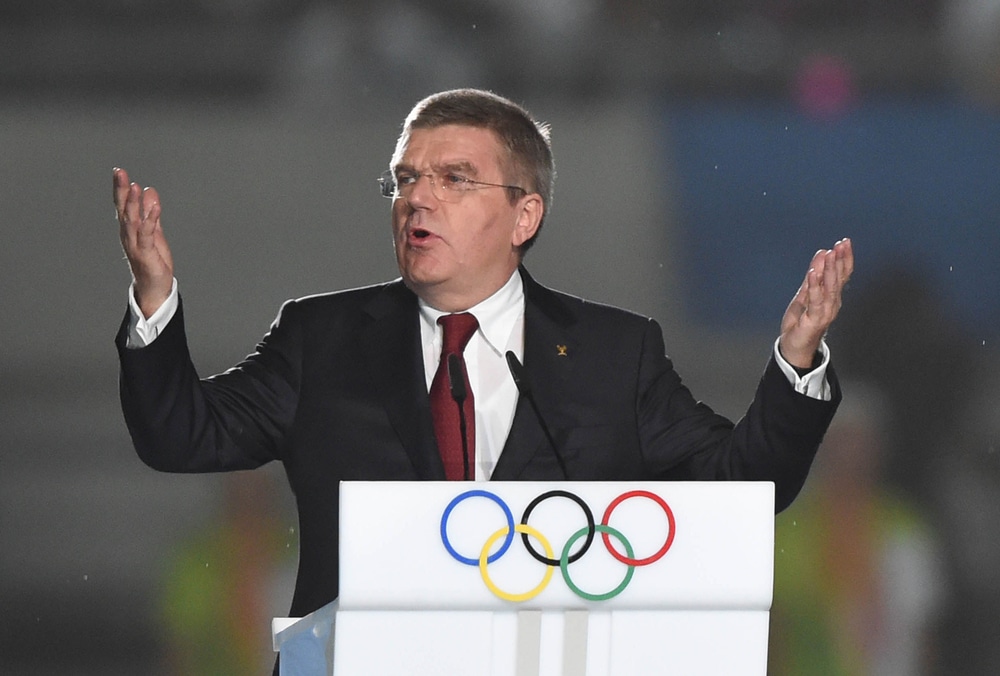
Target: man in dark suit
x=342, y=387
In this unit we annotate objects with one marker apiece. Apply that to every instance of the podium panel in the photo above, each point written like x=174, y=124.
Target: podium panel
x=539, y=579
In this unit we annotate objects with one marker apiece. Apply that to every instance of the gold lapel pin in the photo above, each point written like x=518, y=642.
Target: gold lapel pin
x=561, y=351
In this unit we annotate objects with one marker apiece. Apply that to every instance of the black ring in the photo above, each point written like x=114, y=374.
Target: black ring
x=590, y=526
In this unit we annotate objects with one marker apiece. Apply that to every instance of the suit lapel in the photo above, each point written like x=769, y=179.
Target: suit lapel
x=394, y=360
x=547, y=320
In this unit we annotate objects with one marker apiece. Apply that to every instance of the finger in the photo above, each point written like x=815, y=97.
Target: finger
x=843, y=262
x=845, y=253
x=817, y=258
x=832, y=277
x=150, y=229
x=818, y=262
x=817, y=274
x=815, y=291
x=150, y=198
x=120, y=185
x=149, y=209
x=132, y=213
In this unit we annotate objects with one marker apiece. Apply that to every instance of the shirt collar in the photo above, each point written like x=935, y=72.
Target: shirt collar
x=496, y=315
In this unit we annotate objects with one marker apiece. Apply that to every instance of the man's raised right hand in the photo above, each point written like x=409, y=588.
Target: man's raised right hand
x=143, y=242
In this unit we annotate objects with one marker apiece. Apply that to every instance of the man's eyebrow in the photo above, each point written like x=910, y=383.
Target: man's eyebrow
x=460, y=167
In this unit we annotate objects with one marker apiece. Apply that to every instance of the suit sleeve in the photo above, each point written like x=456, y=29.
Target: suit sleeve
x=235, y=420
x=683, y=439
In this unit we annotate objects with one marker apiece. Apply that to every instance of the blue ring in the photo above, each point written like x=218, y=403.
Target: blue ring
x=444, y=526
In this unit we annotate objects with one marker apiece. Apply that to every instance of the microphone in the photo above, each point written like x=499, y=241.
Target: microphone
x=524, y=387
x=456, y=381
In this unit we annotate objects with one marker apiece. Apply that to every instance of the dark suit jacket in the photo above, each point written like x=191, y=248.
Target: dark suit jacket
x=336, y=391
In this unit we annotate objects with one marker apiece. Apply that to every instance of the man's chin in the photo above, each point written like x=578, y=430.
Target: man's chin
x=422, y=270
x=420, y=282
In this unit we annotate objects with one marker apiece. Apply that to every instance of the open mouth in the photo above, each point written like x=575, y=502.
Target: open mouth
x=420, y=233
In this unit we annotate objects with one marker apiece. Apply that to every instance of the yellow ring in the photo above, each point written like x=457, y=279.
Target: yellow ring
x=484, y=555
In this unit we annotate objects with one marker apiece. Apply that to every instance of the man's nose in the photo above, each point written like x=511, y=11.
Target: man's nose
x=422, y=192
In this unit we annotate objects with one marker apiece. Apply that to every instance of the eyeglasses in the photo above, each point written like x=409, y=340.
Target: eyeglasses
x=447, y=187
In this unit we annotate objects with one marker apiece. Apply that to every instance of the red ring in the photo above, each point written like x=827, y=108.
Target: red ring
x=666, y=545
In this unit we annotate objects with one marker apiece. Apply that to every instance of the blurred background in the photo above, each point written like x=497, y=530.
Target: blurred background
x=705, y=150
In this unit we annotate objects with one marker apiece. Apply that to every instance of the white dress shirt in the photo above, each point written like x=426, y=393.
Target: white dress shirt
x=501, y=328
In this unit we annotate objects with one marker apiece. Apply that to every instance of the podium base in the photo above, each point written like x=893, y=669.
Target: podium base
x=525, y=643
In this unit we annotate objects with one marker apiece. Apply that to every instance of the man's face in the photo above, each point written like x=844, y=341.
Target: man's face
x=456, y=251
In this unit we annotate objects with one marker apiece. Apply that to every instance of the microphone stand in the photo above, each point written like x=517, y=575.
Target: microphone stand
x=524, y=387
x=456, y=380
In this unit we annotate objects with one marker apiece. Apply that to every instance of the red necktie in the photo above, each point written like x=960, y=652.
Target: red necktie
x=458, y=329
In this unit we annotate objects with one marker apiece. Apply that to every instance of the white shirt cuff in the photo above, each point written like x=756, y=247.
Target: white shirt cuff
x=143, y=331
x=813, y=384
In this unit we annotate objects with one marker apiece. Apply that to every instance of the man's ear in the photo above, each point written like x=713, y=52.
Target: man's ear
x=529, y=217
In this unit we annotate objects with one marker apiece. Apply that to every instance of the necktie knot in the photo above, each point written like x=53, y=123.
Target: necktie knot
x=458, y=330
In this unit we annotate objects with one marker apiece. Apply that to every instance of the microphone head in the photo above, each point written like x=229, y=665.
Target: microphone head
x=517, y=373
x=456, y=377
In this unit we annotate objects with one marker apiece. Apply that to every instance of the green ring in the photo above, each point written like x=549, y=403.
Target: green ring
x=564, y=564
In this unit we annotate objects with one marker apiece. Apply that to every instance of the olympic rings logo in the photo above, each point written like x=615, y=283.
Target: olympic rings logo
x=564, y=560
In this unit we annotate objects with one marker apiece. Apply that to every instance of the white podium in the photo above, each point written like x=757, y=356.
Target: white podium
x=544, y=579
